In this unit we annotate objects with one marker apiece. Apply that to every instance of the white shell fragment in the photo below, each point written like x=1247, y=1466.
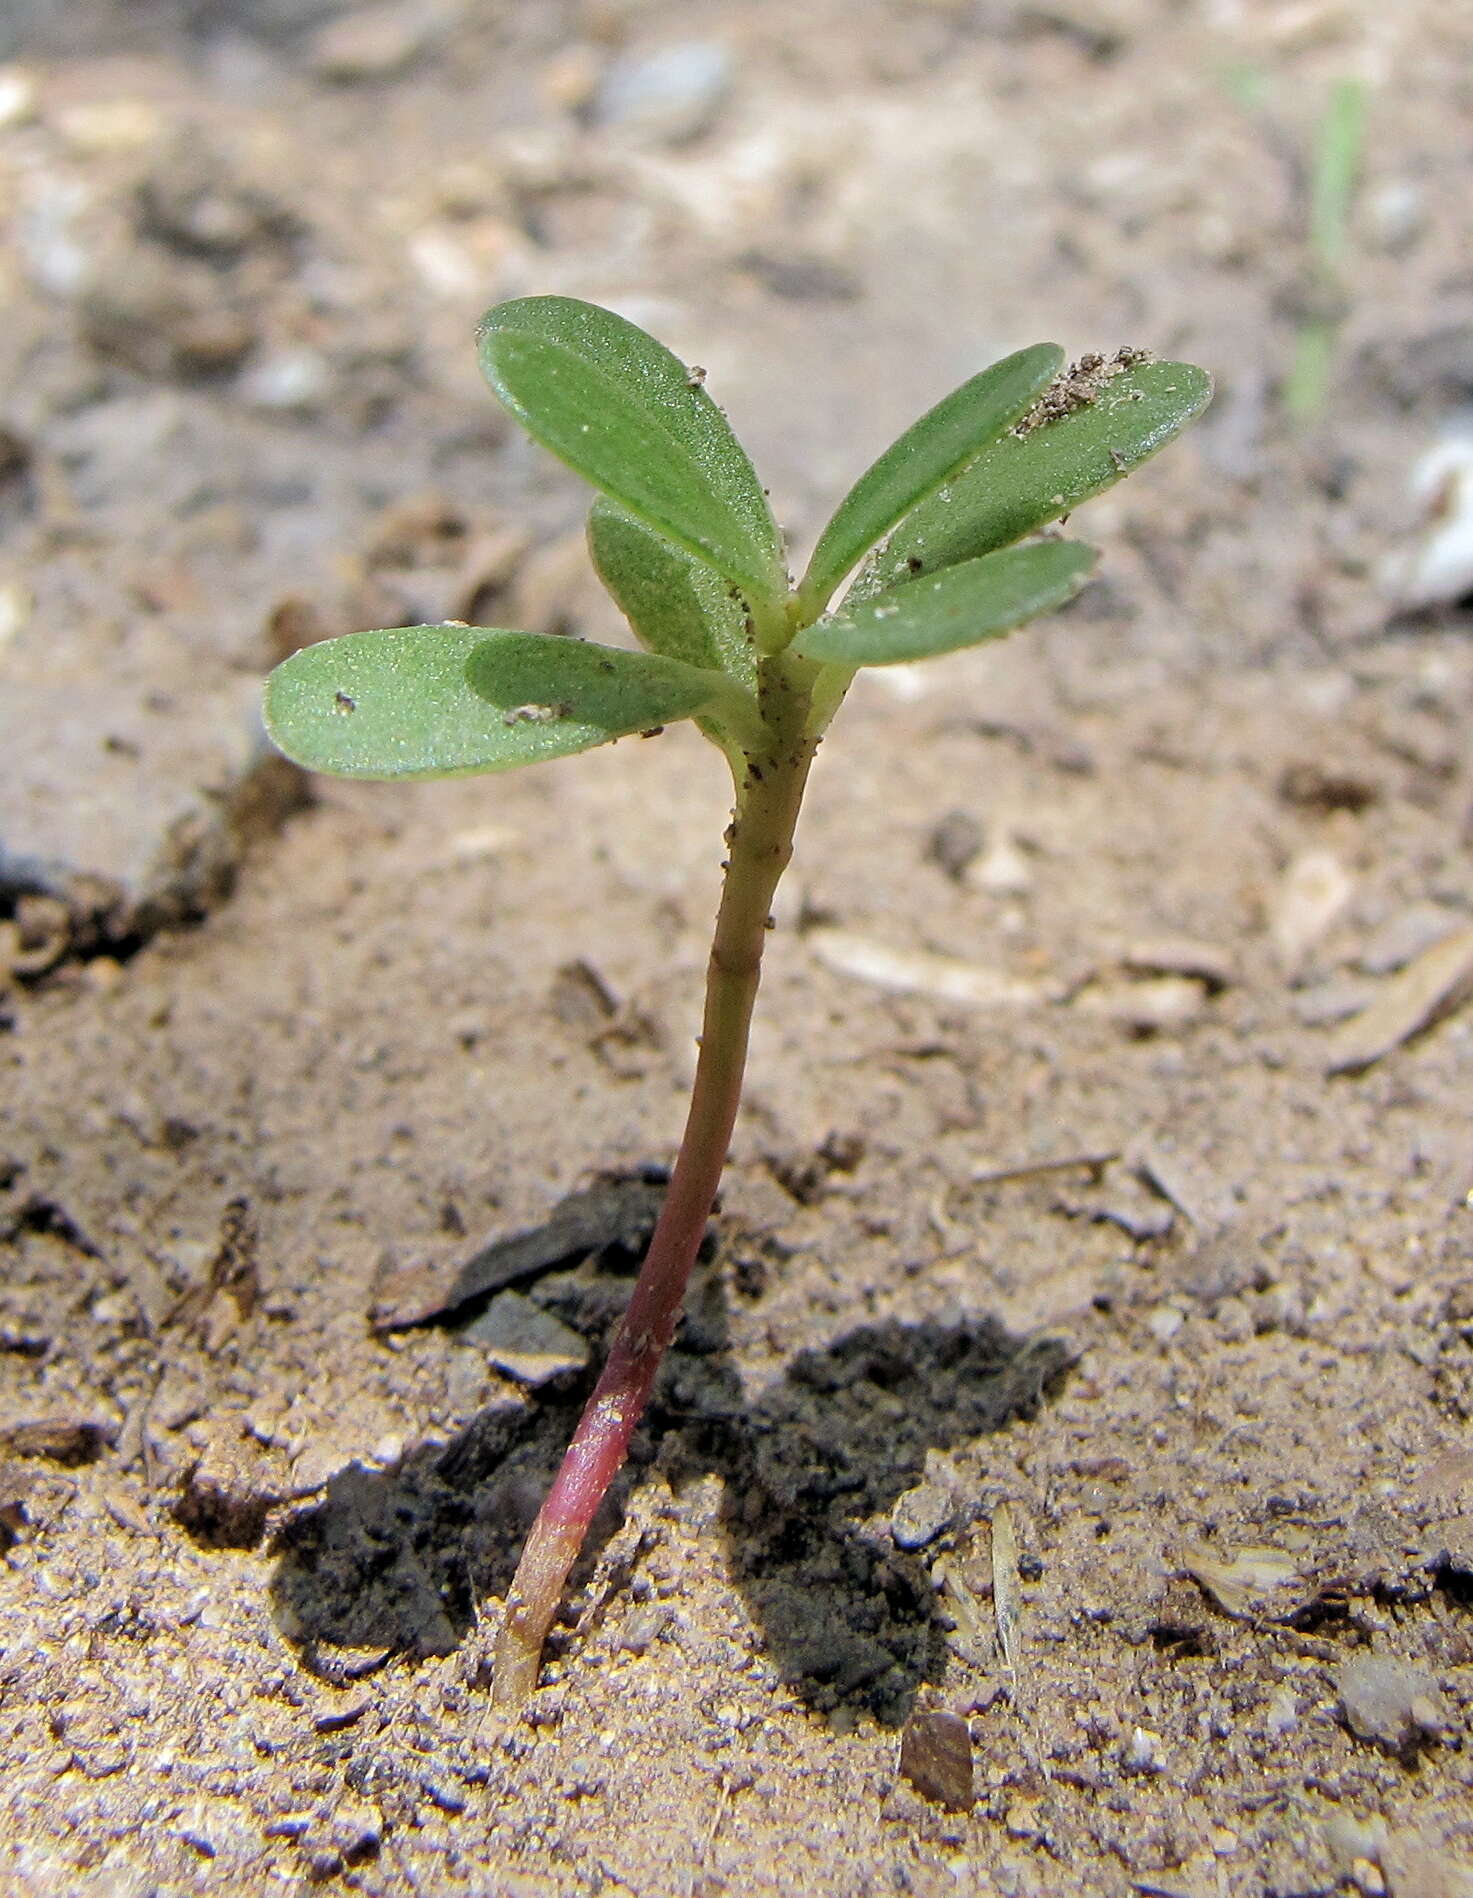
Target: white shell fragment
x=1315, y=888
x=922, y=972
x=1438, y=567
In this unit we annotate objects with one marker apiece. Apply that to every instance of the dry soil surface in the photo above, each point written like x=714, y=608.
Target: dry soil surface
x=1095, y=1264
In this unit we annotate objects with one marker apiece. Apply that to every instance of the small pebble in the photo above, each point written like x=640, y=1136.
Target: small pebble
x=1331, y=1001
x=643, y=1628
x=526, y=1342
x=1391, y=1702
x=370, y=43
x=1282, y=1713
x=110, y=125
x=1152, y=1006
x=296, y=378
x=1001, y=869
x=919, y=1515
x=936, y=1757
x=1314, y=891
x=1144, y=1752
x=17, y=96
x=954, y=842
x=667, y=96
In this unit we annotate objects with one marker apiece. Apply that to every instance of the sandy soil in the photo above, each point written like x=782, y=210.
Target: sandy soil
x=1159, y=1265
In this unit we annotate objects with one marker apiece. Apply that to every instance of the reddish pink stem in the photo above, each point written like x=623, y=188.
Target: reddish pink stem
x=761, y=843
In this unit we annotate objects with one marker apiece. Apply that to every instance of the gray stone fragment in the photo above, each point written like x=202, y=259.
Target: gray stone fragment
x=666, y=96
x=643, y=1628
x=1392, y=1702
x=919, y=1515
x=526, y=1342
x=128, y=789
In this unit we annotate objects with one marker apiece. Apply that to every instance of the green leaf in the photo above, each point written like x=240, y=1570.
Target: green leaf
x=1041, y=470
x=676, y=604
x=631, y=418
x=445, y=701
x=962, y=606
x=927, y=455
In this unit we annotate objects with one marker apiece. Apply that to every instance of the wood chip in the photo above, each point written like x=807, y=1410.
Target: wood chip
x=1149, y=1006
x=58, y=1439
x=1031, y=1169
x=1180, y=955
x=1426, y=989
x=1007, y=1602
x=936, y=1757
x=922, y=972
x=1186, y=1185
x=1239, y=1583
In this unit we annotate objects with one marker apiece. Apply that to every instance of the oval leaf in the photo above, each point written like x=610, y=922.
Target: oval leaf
x=446, y=701
x=626, y=414
x=1042, y=469
x=676, y=604
x=966, y=604
x=927, y=455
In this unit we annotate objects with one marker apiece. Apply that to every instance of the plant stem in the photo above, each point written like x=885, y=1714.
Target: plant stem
x=761, y=843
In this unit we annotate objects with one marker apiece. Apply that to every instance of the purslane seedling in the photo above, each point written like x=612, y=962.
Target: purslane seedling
x=940, y=544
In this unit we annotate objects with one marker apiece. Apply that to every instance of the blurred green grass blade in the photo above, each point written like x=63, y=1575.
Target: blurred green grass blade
x=928, y=454
x=446, y=701
x=1038, y=472
x=961, y=606
x=625, y=413
x=1337, y=156
x=676, y=604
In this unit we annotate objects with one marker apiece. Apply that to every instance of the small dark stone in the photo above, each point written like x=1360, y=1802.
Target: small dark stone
x=59, y=1439
x=1310, y=785
x=955, y=841
x=936, y=1757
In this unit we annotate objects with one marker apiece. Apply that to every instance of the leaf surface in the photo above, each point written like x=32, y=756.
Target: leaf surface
x=962, y=606
x=626, y=414
x=446, y=701
x=676, y=603
x=1040, y=471
x=926, y=456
